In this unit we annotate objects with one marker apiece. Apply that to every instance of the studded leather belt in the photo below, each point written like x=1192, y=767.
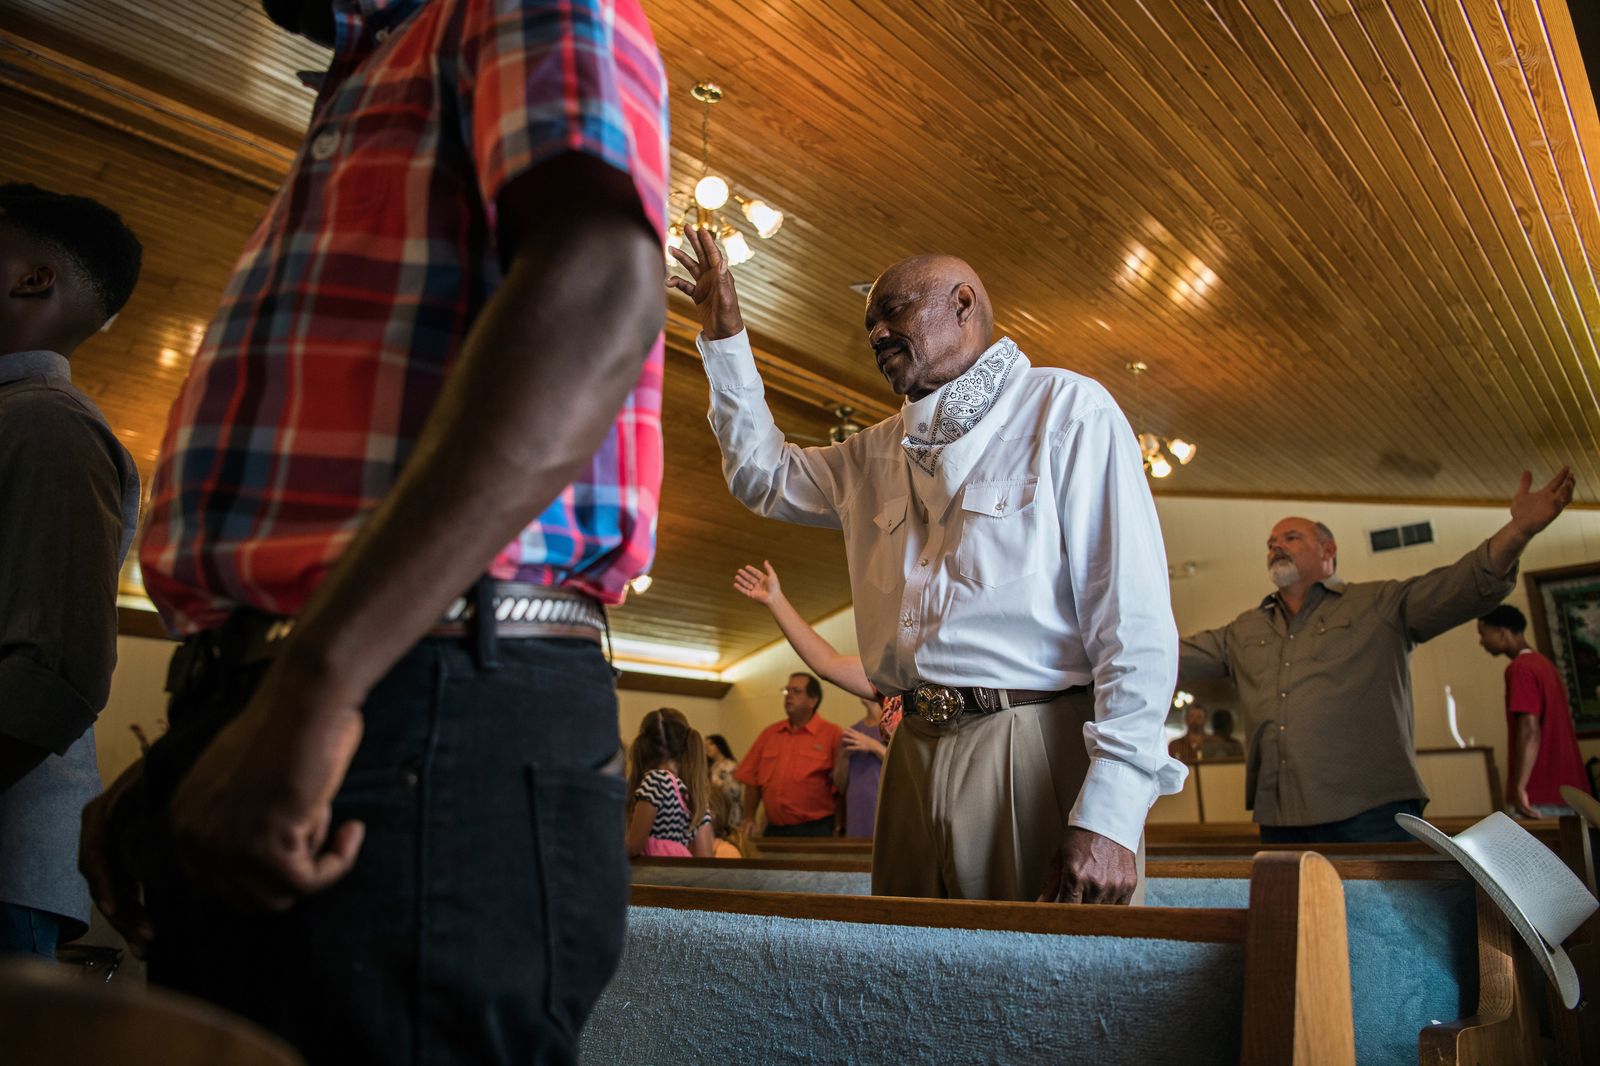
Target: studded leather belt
x=935, y=704
x=521, y=611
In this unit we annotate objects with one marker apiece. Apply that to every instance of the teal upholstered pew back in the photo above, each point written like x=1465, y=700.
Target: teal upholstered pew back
x=715, y=988
x=718, y=976
x=1412, y=936
x=1413, y=951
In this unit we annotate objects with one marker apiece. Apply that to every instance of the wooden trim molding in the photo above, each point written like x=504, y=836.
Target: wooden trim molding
x=1196, y=924
x=132, y=622
x=68, y=83
x=638, y=681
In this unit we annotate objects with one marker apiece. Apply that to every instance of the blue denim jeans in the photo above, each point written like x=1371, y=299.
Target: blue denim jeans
x=25, y=931
x=1368, y=827
x=486, y=910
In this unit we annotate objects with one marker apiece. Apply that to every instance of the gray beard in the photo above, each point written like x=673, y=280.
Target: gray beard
x=1283, y=573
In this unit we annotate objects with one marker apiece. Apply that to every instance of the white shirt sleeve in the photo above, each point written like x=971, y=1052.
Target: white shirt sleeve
x=765, y=472
x=1117, y=568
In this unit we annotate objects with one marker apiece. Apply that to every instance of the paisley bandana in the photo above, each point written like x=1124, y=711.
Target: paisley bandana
x=962, y=405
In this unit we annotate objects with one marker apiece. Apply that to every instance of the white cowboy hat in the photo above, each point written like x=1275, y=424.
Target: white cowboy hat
x=1543, y=899
x=1583, y=803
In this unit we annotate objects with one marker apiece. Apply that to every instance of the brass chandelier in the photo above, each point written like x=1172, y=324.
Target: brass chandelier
x=1159, y=452
x=712, y=193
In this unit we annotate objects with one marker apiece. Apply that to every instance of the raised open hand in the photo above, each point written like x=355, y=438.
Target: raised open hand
x=712, y=288
x=1532, y=511
x=758, y=585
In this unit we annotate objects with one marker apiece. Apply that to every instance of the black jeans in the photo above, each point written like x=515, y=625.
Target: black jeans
x=822, y=827
x=1374, y=826
x=486, y=910
x=26, y=931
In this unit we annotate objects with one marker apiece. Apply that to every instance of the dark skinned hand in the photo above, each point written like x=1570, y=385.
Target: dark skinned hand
x=1090, y=868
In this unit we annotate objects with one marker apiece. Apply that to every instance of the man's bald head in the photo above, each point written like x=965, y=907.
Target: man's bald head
x=928, y=320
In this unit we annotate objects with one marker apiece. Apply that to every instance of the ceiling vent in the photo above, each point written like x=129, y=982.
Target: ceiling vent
x=1396, y=537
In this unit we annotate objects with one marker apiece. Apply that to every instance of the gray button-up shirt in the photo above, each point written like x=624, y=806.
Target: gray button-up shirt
x=69, y=497
x=1326, y=695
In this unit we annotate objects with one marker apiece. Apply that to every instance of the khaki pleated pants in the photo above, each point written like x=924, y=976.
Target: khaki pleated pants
x=975, y=808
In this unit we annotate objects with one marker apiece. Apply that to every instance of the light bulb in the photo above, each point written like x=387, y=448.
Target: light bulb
x=711, y=192
x=1149, y=444
x=736, y=248
x=1159, y=467
x=1181, y=450
x=767, y=220
x=642, y=583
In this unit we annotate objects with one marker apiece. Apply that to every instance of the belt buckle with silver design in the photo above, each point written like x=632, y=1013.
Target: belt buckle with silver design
x=936, y=704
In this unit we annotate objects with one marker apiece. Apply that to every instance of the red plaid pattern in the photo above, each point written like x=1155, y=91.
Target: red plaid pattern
x=356, y=291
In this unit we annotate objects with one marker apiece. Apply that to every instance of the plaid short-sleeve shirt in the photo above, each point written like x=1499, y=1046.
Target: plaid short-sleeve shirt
x=354, y=295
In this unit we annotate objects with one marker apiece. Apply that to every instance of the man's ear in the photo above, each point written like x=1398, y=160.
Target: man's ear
x=966, y=303
x=39, y=281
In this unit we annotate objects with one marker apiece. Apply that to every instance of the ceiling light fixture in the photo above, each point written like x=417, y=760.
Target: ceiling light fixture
x=1158, y=451
x=712, y=193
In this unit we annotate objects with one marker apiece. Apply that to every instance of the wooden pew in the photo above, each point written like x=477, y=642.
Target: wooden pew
x=1174, y=840
x=713, y=976
x=780, y=846
x=1421, y=944
x=1426, y=914
x=1576, y=1033
x=851, y=875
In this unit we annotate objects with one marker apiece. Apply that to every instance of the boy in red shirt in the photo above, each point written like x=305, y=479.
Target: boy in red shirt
x=1544, y=745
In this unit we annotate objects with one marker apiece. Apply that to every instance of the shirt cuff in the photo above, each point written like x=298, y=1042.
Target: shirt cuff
x=1489, y=582
x=38, y=706
x=1114, y=801
x=729, y=362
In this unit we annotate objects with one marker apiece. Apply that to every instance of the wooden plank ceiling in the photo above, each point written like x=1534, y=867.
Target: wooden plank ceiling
x=1355, y=242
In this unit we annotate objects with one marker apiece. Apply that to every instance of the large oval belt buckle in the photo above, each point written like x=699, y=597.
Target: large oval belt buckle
x=935, y=704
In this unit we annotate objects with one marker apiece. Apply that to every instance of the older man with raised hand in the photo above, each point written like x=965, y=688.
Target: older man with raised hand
x=1323, y=672
x=1009, y=579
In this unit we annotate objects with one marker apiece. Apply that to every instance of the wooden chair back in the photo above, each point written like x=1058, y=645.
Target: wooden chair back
x=47, y=1016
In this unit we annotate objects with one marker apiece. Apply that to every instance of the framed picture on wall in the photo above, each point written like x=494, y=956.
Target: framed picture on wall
x=1564, y=607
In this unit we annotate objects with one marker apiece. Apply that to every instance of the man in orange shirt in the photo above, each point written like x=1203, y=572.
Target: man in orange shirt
x=790, y=767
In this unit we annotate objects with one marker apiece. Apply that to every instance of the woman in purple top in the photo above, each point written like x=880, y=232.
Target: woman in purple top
x=856, y=770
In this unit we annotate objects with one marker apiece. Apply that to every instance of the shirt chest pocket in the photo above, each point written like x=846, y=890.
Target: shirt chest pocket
x=1258, y=655
x=1332, y=641
x=361, y=163
x=885, y=562
x=999, y=531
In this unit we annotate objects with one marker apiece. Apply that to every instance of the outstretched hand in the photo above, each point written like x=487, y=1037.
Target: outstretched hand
x=1532, y=511
x=712, y=288
x=853, y=740
x=758, y=585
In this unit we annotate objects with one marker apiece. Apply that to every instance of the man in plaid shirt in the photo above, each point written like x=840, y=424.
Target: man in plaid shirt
x=432, y=391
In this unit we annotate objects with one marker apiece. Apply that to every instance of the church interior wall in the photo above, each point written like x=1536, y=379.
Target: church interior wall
x=1224, y=539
